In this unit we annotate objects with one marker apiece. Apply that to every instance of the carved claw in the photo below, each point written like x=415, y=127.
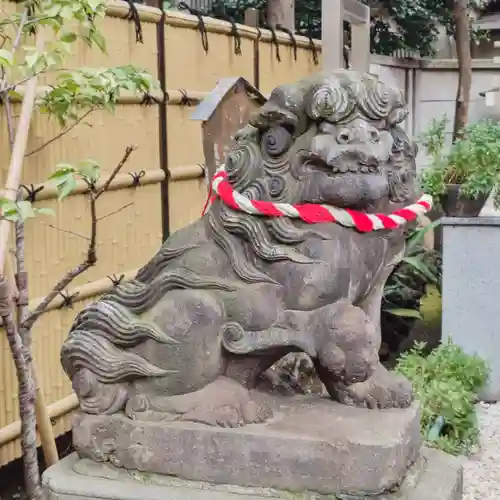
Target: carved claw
x=382, y=390
x=137, y=404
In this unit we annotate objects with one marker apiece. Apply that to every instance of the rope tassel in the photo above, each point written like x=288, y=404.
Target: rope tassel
x=314, y=213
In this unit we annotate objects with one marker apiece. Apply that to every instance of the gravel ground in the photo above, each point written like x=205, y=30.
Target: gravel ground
x=482, y=470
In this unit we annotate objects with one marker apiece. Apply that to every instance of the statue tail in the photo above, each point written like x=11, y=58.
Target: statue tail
x=97, y=359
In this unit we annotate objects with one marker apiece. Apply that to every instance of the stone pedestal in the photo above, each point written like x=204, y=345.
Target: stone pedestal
x=434, y=476
x=312, y=449
x=311, y=444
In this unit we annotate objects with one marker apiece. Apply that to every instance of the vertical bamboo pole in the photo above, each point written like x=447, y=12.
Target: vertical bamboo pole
x=11, y=190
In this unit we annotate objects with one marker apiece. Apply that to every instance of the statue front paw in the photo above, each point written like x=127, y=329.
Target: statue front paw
x=384, y=389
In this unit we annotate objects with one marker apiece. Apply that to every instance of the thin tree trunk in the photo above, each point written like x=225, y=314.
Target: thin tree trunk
x=462, y=37
x=27, y=395
x=43, y=422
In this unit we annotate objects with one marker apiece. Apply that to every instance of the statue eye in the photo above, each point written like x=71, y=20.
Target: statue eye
x=276, y=186
x=276, y=140
x=375, y=136
x=397, y=145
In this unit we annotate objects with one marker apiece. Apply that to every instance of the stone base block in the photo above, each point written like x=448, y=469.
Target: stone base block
x=434, y=476
x=311, y=443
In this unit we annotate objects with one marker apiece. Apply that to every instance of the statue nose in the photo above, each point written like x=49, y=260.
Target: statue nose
x=358, y=135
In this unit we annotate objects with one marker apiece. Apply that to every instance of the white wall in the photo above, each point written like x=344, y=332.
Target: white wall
x=431, y=88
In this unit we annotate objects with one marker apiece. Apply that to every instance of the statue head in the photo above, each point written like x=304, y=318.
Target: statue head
x=333, y=138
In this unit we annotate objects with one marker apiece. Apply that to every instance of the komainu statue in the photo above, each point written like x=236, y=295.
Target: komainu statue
x=306, y=222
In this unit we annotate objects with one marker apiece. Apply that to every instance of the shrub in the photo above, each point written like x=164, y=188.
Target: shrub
x=446, y=382
x=473, y=161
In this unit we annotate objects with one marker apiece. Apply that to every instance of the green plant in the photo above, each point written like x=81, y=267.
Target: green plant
x=407, y=283
x=406, y=286
x=446, y=382
x=473, y=161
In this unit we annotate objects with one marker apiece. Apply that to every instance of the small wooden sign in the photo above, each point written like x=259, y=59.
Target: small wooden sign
x=223, y=112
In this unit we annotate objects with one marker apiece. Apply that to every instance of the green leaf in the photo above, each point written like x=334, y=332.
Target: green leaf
x=405, y=313
x=98, y=39
x=45, y=211
x=52, y=10
x=436, y=429
x=420, y=267
x=419, y=234
x=65, y=187
x=25, y=209
x=15, y=95
x=94, y=4
x=9, y=210
x=68, y=37
x=62, y=170
x=11, y=215
x=90, y=170
x=6, y=58
x=53, y=23
x=32, y=60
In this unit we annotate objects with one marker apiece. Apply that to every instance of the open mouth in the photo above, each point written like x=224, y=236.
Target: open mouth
x=353, y=181
x=344, y=165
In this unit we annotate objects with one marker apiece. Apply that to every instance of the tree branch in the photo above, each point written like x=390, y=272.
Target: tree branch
x=91, y=257
x=60, y=134
x=68, y=231
x=128, y=151
x=114, y=212
x=45, y=71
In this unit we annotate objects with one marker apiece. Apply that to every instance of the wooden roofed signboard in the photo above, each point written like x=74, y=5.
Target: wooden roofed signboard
x=223, y=112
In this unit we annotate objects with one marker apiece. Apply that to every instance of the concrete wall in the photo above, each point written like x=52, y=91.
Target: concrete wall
x=431, y=88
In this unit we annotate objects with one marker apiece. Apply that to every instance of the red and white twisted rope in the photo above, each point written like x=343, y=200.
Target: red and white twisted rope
x=315, y=213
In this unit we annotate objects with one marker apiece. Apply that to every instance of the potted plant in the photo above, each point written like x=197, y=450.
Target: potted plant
x=462, y=179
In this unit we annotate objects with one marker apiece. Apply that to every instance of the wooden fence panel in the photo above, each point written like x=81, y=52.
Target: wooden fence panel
x=190, y=67
x=274, y=72
x=125, y=240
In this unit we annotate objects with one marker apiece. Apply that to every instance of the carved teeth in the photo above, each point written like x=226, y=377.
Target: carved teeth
x=355, y=168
